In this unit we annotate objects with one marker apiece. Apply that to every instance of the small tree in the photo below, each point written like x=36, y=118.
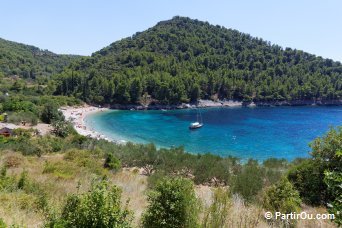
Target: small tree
x=50, y=113
x=282, y=197
x=333, y=180
x=100, y=207
x=308, y=176
x=249, y=181
x=112, y=162
x=172, y=203
x=62, y=128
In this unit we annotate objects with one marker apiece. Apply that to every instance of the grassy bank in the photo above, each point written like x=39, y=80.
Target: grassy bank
x=40, y=173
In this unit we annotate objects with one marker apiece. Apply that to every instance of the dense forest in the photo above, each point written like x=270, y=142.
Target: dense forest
x=182, y=60
x=30, y=62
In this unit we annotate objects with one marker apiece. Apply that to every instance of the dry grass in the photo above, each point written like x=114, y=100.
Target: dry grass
x=59, y=177
x=133, y=187
x=19, y=208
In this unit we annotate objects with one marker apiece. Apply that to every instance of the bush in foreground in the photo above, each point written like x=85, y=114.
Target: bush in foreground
x=308, y=176
x=112, y=162
x=282, y=197
x=100, y=207
x=2, y=223
x=172, y=203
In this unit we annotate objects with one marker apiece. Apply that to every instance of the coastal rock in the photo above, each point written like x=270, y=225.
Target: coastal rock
x=298, y=103
x=225, y=103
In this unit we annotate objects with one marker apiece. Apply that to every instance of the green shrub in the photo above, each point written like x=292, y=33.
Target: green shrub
x=62, y=170
x=210, y=166
x=50, y=144
x=22, y=180
x=282, y=197
x=49, y=168
x=50, y=113
x=18, y=105
x=112, y=162
x=23, y=116
x=249, y=181
x=155, y=178
x=334, y=182
x=274, y=163
x=324, y=149
x=172, y=203
x=62, y=128
x=333, y=179
x=2, y=223
x=308, y=176
x=7, y=183
x=23, y=144
x=90, y=160
x=100, y=207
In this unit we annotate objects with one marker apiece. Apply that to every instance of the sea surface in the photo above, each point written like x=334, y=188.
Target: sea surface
x=244, y=132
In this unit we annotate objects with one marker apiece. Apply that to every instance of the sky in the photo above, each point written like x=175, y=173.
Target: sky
x=85, y=26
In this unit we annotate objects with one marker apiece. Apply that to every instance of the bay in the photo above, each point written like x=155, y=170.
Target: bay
x=244, y=132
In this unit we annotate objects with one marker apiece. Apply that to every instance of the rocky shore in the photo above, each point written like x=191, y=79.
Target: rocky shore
x=226, y=103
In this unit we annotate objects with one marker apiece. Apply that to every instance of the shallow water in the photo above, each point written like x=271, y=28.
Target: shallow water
x=259, y=132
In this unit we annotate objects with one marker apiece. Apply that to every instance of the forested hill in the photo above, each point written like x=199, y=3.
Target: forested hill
x=182, y=60
x=28, y=61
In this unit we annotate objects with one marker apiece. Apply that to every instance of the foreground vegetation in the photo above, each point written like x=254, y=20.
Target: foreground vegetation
x=72, y=182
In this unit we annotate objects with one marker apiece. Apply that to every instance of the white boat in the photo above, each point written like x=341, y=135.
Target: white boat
x=195, y=125
x=198, y=123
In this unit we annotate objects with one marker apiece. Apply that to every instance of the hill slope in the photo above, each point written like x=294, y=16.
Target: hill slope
x=182, y=60
x=30, y=62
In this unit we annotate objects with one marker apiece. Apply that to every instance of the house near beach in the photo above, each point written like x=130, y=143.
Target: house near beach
x=6, y=132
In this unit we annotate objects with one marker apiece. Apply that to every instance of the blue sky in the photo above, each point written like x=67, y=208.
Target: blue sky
x=85, y=26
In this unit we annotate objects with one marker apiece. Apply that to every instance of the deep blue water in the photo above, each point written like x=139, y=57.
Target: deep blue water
x=259, y=132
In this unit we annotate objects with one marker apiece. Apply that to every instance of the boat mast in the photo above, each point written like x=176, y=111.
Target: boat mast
x=200, y=116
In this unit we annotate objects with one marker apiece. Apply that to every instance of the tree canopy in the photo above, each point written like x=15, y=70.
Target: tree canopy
x=30, y=62
x=182, y=60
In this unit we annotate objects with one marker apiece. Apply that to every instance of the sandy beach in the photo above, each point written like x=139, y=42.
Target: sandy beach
x=77, y=115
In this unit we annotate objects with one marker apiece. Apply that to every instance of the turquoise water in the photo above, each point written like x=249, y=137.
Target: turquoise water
x=259, y=132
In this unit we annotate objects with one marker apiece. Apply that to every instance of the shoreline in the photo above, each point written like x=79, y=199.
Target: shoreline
x=226, y=103
x=77, y=115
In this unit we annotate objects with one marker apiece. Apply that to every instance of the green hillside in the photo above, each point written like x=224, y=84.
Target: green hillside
x=182, y=60
x=28, y=61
